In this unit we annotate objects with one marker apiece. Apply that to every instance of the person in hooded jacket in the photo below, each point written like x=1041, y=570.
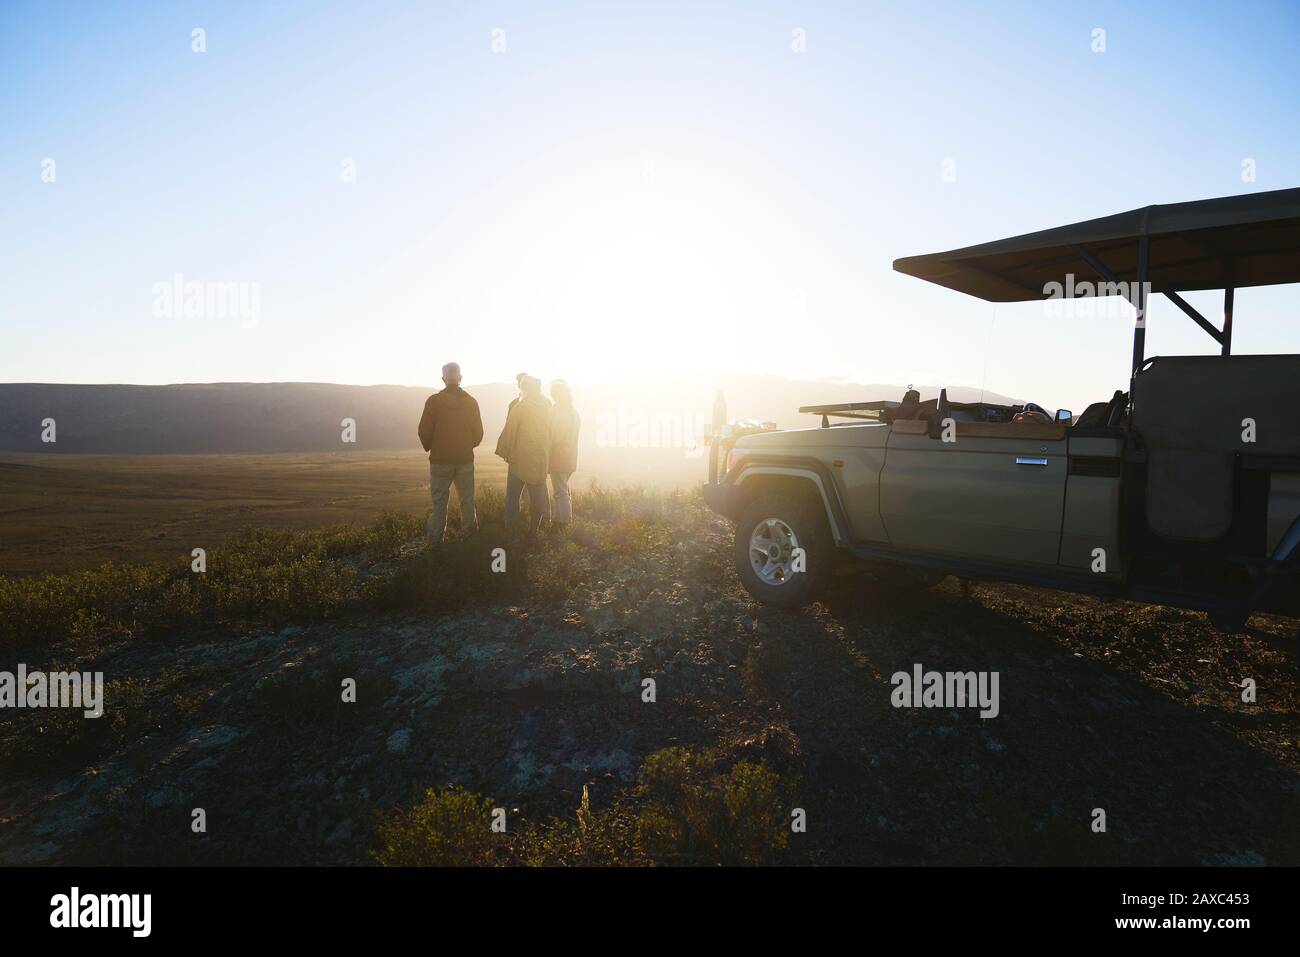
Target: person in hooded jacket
x=525, y=445
x=562, y=460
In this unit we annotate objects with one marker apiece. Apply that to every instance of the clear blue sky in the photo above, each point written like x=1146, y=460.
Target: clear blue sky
x=624, y=190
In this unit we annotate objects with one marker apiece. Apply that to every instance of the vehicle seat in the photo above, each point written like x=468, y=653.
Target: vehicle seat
x=1093, y=417
x=941, y=411
x=909, y=408
x=1103, y=415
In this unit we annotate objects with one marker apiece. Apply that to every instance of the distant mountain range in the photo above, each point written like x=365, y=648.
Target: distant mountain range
x=307, y=416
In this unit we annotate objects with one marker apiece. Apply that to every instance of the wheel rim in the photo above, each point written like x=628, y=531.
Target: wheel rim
x=771, y=551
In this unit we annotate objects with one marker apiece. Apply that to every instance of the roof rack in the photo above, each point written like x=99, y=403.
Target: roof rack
x=869, y=411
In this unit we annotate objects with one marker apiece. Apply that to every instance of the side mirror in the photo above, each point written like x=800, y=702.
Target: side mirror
x=1064, y=415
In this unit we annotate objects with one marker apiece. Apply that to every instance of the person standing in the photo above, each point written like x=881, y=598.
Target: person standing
x=563, y=458
x=519, y=384
x=450, y=429
x=524, y=444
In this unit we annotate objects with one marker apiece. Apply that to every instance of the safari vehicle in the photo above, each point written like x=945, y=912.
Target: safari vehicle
x=1183, y=490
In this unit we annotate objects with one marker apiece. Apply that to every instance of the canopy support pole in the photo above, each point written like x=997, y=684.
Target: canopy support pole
x=1097, y=265
x=1140, y=330
x=1138, y=298
x=1228, y=296
x=1199, y=319
x=1224, y=337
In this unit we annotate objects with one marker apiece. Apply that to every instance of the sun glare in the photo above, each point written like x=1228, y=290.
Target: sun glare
x=616, y=264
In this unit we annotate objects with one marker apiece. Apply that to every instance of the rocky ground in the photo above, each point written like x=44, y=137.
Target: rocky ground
x=1130, y=708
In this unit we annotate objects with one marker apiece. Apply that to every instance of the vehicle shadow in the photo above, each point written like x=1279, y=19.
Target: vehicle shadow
x=1076, y=743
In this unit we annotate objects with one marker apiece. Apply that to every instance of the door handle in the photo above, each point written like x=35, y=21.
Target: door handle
x=1031, y=460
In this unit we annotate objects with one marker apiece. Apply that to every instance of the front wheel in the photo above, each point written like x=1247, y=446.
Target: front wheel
x=783, y=550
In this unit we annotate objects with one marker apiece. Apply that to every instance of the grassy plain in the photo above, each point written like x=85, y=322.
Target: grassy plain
x=73, y=512
x=70, y=512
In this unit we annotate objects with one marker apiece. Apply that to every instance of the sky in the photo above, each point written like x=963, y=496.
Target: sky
x=608, y=191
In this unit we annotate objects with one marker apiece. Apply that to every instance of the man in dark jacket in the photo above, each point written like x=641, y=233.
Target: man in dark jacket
x=450, y=429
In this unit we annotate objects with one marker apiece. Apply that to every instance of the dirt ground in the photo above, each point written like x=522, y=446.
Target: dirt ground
x=1133, y=709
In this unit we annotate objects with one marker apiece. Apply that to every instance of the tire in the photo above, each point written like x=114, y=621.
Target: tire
x=785, y=522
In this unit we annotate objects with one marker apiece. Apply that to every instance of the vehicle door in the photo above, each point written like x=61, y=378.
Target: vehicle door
x=995, y=492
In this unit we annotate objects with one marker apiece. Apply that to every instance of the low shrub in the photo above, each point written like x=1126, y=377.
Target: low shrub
x=450, y=827
x=685, y=809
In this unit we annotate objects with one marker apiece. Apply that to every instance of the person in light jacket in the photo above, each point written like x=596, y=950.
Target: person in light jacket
x=519, y=384
x=563, y=458
x=524, y=444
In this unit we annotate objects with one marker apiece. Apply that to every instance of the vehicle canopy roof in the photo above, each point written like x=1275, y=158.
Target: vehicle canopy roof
x=1223, y=243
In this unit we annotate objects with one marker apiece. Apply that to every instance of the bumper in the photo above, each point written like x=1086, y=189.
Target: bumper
x=722, y=499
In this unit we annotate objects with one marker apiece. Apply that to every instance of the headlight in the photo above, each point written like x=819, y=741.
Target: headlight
x=735, y=458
